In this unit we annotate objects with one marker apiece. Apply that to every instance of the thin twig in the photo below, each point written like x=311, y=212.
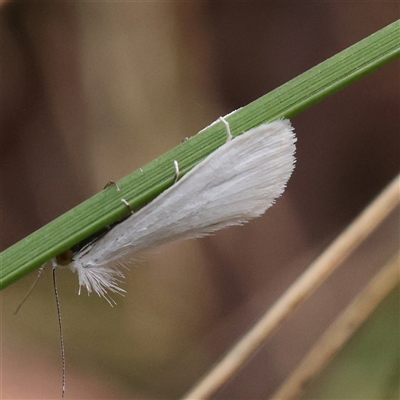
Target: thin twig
x=301, y=289
x=341, y=330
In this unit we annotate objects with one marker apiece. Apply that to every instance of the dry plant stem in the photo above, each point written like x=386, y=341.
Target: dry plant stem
x=341, y=330
x=302, y=288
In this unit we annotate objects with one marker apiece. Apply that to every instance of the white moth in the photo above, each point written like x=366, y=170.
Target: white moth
x=234, y=184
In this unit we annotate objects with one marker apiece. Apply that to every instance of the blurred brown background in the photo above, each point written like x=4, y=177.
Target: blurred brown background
x=91, y=92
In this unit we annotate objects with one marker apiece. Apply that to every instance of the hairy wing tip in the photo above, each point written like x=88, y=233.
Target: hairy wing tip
x=99, y=279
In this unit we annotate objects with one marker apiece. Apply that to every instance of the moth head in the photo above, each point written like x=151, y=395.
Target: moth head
x=64, y=258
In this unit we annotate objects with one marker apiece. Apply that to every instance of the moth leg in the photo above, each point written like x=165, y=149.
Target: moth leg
x=177, y=172
x=228, y=129
x=127, y=204
x=112, y=183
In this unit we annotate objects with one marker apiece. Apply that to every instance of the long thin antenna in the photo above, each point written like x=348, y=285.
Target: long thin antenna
x=41, y=269
x=61, y=332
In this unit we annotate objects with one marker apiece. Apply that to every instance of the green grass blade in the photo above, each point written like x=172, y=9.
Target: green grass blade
x=143, y=185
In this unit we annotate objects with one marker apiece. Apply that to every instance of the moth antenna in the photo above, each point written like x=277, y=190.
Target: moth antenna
x=228, y=129
x=28, y=293
x=61, y=331
x=177, y=172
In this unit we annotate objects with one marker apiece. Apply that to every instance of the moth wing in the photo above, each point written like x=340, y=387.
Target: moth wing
x=234, y=184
